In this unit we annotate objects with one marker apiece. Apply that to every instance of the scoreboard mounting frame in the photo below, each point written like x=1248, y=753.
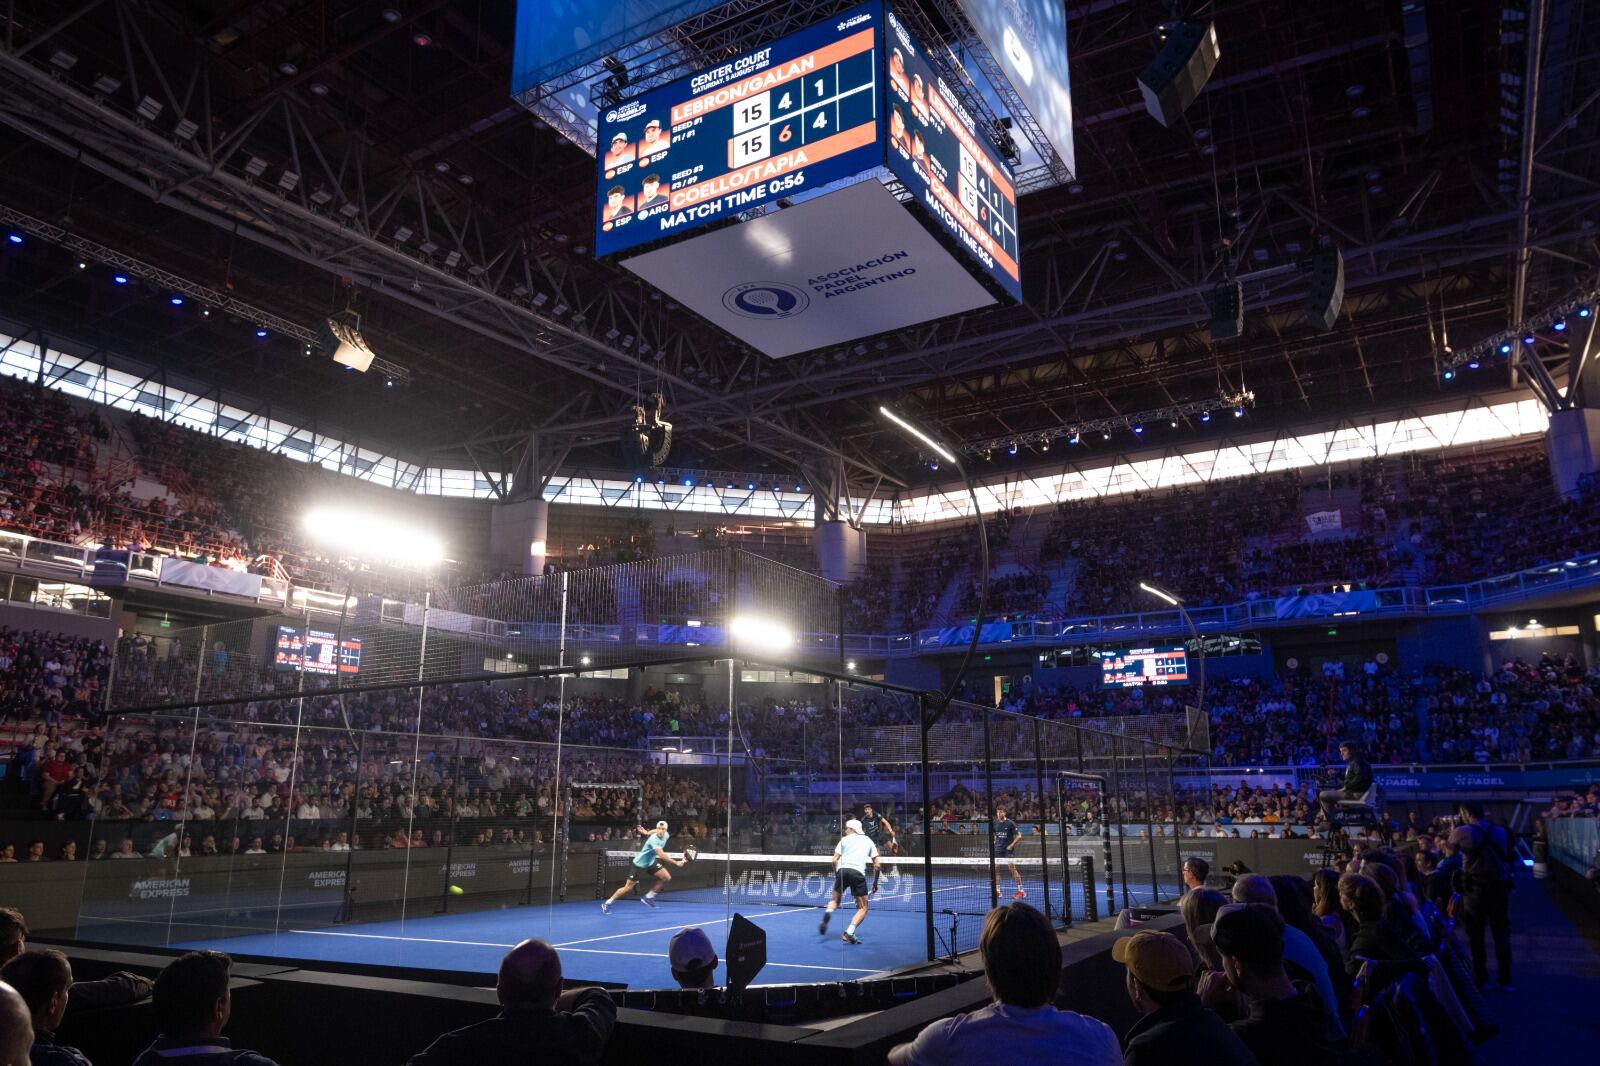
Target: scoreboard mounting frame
x=798, y=114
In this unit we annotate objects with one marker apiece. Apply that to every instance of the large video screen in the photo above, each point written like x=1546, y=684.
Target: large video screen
x=793, y=116
x=1029, y=39
x=317, y=652
x=1137, y=667
x=949, y=163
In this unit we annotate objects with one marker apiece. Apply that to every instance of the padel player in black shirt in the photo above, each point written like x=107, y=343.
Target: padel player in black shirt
x=1005, y=837
x=878, y=829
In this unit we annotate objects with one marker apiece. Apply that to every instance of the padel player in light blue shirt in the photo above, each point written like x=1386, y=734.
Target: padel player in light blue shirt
x=649, y=867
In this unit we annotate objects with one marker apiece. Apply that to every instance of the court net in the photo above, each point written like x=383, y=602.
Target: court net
x=960, y=884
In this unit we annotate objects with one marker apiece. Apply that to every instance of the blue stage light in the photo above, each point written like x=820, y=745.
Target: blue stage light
x=1449, y=375
x=1138, y=430
x=1559, y=325
x=120, y=279
x=1583, y=312
x=1505, y=349
x=1472, y=365
x=1238, y=412
x=14, y=237
x=1013, y=449
x=175, y=301
x=1205, y=416
x=262, y=332
x=688, y=482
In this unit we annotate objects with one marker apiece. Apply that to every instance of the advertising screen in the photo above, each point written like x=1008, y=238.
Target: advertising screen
x=800, y=113
x=318, y=652
x=949, y=164
x=1029, y=39
x=1136, y=667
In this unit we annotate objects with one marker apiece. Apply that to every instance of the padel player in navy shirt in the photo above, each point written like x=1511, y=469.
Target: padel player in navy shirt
x=1005, y=837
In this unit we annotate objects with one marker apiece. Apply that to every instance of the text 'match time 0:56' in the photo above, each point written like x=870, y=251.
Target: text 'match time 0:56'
x=795, y=115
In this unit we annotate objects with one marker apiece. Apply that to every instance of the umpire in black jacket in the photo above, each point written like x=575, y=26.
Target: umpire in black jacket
x=1357, y=778
x=537, y=1022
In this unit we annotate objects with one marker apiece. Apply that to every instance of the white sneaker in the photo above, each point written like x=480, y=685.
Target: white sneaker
x=605, y=907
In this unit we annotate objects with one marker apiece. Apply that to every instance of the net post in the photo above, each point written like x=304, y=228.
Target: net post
x=1066, y=856
x=923, y=724
x=1149, y=820
x=566, y=837
x=1043, y=822
x=450, y=841
x=1105, y=840
x=988, y=788
x=1177, y=839
x=1091, y=908
x=1122, y=819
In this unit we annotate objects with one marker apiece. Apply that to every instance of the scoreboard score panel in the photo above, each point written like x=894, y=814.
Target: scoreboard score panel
x=943, y=157
x=797, y=114
x=1137, y=667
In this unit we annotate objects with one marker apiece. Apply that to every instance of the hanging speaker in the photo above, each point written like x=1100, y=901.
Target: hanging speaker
x=1180, y=70
x=1226, y=302
x=1327, y=288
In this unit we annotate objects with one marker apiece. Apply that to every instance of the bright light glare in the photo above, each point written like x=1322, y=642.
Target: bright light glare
x=917, y=433
x=372, y=536
x=1152, y=590
x=760, y=634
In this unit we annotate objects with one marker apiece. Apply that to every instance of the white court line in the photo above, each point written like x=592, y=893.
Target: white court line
x=413, y=939
x=675, y=928
x=784, y=965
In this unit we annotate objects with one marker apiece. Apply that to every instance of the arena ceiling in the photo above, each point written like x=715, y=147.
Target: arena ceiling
x=1399, y=130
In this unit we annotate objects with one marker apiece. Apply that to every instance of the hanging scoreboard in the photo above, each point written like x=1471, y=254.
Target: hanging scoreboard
x=948, y=162
x=798, y=114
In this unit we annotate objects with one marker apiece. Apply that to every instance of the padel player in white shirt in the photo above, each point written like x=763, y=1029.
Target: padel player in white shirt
x=850, y=858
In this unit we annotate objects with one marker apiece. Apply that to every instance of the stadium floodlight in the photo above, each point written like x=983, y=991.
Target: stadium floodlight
x=760, y=634
x=349, y=347
x=983, y=559
x=368, y=535
x=939, y=449
x=1160, y=595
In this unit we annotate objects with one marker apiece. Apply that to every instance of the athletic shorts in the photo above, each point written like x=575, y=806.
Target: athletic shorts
x=851, y=881
x=1001, y=855
x=642, y=874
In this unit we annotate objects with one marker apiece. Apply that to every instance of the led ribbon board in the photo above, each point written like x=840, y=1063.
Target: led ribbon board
x=957, y=176
x=795, y=115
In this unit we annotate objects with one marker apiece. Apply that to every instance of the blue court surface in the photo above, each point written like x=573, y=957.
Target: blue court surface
x=627, y=946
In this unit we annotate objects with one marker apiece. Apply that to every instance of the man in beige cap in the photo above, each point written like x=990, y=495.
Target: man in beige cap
x=1175, y=1026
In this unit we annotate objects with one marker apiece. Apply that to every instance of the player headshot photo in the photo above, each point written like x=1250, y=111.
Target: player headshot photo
x=650, y=194
x=655, y=140
x=897, y=129
x=617, y=204
x=897, y=71
x=919, y=100
x=918, y=149
x=621, y=150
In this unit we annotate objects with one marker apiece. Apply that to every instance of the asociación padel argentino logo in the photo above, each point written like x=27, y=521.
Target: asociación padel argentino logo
x=766, y=300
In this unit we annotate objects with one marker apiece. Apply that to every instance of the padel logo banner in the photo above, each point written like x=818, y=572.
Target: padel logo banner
x=793, y=885
x=768, y=300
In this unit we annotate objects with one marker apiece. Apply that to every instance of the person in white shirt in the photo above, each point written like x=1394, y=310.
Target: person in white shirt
x=850, y=858
x=1022, y=960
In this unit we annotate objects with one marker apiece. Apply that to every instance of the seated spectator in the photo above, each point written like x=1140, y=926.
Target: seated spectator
x=1022, y=960
x=193, y=1003
x=16, y=1027
x=693, y=959
x=1374, y=938
x=1199, y=908
x=1285, y=1022
x=1325, y=905
x=1175, y=1026
x=1299, y=951
x=113, y=991
x=535, y=1016
x=1195, y=872
x=13, y=934
x=42, y=977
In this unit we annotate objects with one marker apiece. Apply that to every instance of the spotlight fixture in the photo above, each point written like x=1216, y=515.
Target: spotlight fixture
x=1529, y=339
x=1238, y=412
x=82, y=265
x=421, y=40
x=1583, y=312
x=1013, y=449
x=1449, y=375
x=175, y=301
x=14, y=237
x=342, y=337
x=1138, y=430
x=1505, y=348
x=1206, y=417
x=1559, y=325
x=120, y=279
x=261, y=331
x=1473, y=365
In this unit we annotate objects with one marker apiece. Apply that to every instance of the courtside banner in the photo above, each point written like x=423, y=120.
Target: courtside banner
x=841, y=266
